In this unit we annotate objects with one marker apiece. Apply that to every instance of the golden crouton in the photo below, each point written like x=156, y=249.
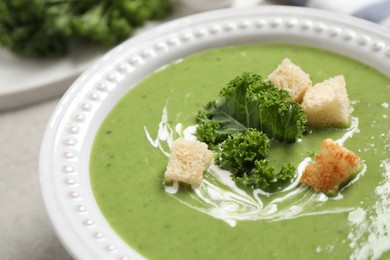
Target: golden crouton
x=327, y=104
x=188, y=161
x=292, y=78
x=333, y=166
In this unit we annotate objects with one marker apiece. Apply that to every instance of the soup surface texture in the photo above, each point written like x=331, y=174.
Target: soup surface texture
x=127, y=167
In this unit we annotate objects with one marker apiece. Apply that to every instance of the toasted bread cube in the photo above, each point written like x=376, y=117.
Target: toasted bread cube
x=327, y=104
x=188, y=161
x=333, y=166
x=292, y=78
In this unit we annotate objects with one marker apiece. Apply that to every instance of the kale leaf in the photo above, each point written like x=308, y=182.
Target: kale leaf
x=239, y=151
x=248, y=101
x=266, y=177
x=240, y=125
x=244, y=155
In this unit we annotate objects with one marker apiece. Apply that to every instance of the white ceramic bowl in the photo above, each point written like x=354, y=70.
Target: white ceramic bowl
x=64, y=161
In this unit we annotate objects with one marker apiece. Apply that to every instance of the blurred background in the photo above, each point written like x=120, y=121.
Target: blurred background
x=42, y=51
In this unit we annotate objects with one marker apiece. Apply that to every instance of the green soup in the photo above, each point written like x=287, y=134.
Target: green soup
x=127, y=170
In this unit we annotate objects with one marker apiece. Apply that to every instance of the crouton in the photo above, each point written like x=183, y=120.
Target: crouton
x=188, y=161
x=291, y=78
x=333, y=166
x=326, y=104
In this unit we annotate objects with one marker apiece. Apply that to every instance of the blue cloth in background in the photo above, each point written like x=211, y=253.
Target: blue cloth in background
x=377, y=11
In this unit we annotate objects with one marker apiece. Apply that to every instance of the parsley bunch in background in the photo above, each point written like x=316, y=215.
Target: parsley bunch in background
x=43, y=28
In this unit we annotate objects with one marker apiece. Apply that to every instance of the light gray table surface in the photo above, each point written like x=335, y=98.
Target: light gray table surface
x=25, y=229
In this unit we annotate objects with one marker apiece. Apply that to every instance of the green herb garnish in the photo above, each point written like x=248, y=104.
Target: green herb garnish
x=240, y=125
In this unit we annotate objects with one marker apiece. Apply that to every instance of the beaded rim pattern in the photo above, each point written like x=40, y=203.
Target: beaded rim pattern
x=68, y=139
